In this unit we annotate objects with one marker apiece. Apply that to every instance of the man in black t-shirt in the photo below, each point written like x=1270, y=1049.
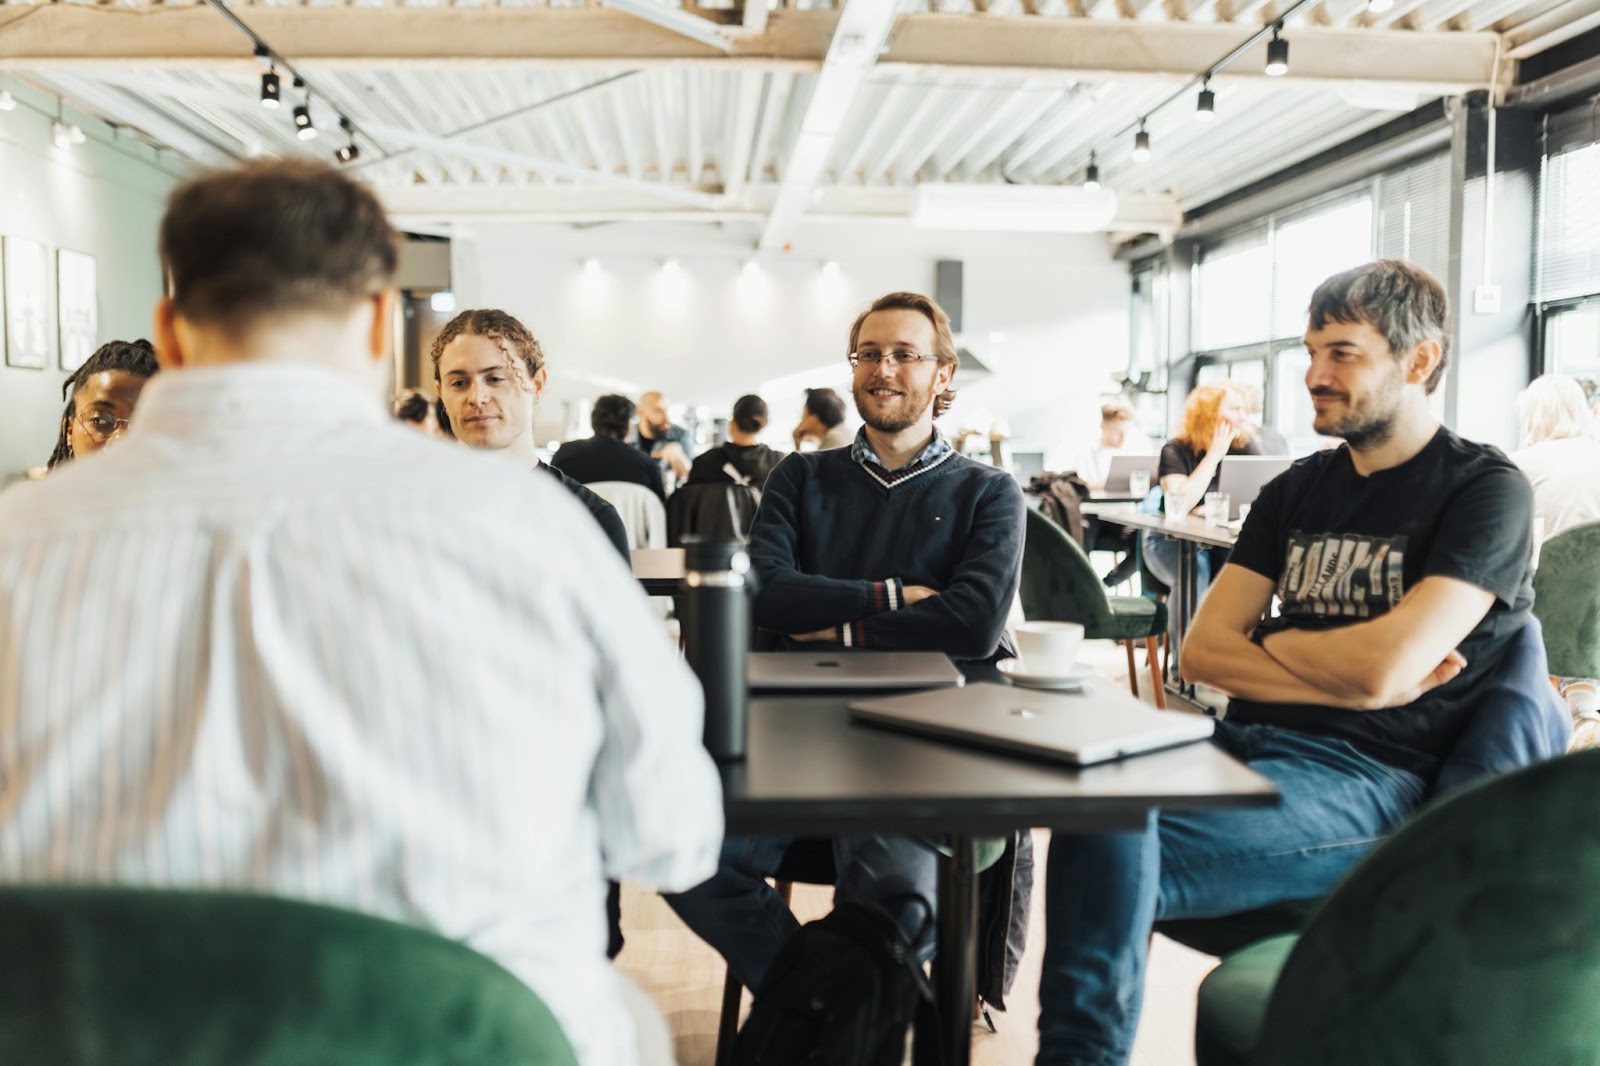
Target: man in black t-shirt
x=1401, y=561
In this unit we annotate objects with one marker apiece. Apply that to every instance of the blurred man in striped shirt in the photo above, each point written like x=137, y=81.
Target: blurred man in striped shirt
x=276, y=641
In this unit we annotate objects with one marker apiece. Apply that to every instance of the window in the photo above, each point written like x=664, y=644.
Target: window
x=1233, y=285
x=1569, y=233
x=1307, y=250
x=1413, y=220
x=1572, y=342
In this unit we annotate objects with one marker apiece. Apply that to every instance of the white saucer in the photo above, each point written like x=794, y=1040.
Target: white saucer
x=1012, y=670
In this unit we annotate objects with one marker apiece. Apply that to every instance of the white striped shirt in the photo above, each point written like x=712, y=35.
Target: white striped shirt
x=274, y=640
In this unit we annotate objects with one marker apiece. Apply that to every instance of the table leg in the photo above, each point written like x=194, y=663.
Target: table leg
x=956, y=963
x=1178, y=604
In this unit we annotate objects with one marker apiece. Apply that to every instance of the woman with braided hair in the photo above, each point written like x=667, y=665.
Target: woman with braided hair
x=100, y=396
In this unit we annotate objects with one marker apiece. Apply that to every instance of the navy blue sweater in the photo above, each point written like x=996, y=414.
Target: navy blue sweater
x=832, y=547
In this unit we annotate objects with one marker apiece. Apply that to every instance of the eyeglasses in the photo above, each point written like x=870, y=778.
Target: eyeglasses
x=897, y=357
x=102, y=426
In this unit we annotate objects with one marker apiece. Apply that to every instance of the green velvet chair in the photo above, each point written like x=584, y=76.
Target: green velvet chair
x=1566, y=590
x=1470, y=938
x=133, y=977
x=1059, y=585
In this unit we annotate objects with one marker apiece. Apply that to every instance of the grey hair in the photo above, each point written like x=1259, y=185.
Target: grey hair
x=1403, y=302
x=1552, y=407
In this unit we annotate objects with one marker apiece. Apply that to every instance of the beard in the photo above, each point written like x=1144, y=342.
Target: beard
x=892, y=414
x=1365, y=421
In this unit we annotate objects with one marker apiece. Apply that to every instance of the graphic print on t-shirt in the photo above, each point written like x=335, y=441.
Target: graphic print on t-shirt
x=1342, y=575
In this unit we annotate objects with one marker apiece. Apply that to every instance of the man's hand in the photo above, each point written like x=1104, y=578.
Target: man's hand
x=916, y=593
x=672, y=453
x=820, y=636
x=1447, y=670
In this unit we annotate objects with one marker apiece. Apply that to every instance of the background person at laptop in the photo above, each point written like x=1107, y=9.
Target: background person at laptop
x=1214, y=426
x=1402, y=564
x=896, y=543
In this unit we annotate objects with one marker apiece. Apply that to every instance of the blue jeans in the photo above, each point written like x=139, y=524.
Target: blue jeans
x=745, y=919
x=1161, y=556
x=1103, y=892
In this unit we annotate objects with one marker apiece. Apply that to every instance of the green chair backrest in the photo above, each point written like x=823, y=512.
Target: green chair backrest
x=1471, y=937
x=1058, y=580
x=133, y=977
x=1566, y=590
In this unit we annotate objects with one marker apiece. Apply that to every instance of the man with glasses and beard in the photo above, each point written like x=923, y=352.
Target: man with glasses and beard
x=894, y=543
x=1400, y=561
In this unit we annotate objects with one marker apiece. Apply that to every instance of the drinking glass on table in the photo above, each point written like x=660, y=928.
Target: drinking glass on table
x=1217, y=508
x=1138, y=483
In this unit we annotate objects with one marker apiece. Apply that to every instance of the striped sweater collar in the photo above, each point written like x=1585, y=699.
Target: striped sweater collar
x=936, y=453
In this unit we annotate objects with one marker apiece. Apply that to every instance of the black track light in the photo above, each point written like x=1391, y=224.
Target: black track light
x=305, y=129
x=1205, y=106
x=1141, y=144
x=351, y=151
x=1277, y=54
x=1091, y=176
x=271, y=89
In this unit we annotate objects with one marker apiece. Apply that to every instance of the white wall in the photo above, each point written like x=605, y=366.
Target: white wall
x=105, y=198
x=1048, y=313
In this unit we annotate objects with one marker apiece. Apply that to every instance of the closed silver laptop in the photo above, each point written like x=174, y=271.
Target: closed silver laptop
x=841, y=668
x=1097, y=725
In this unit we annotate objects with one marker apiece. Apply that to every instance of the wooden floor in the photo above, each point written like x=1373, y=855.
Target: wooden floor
x=685, y=977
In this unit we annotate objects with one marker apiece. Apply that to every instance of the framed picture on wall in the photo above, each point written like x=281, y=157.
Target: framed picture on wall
x=27, y=288
x=76, y=307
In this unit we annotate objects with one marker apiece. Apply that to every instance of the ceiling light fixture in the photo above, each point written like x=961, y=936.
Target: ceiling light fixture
x=1091, y=176
x=1205, y=106
x=59, y=136
x=351, y=151
x=1277, y=54
x=7, y=101
x=271, y=89
x=1141, y=144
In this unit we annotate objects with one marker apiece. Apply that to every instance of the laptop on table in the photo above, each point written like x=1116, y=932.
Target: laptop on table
x=1080, y=729
x=837, y=668
x=1119, y=469
x=1242, y=477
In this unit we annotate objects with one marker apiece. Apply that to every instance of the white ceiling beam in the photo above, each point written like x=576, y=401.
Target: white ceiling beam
x=893, y=106
x=695, y=150
x=737, y=151
x=1553, y=28
x=778, y=88
x=128, y=109
x=549, y=167
x=70, y=34
x=755, y=17
x=677, y=20
x=858, y=38
x=590, y=204
x=1006, y=123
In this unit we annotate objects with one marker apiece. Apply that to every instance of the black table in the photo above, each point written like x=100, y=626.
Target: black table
x=811, y=771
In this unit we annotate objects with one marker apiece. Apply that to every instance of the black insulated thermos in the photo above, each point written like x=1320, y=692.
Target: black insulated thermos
x=716, y=634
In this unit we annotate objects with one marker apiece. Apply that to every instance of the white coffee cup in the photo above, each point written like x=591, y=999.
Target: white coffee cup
x=1049, y=648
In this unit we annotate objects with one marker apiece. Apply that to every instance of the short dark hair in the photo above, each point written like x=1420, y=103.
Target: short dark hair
x=1401, y=301
x=1116, y=411
x=129, y=357
x=498, y=326
x=274, y=237
x=412, y=406
x=944, y=342
x=826, y=405
x=750, y=414
x=611, y=415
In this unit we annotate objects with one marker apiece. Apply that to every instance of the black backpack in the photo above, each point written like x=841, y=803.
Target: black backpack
x=842, y=992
